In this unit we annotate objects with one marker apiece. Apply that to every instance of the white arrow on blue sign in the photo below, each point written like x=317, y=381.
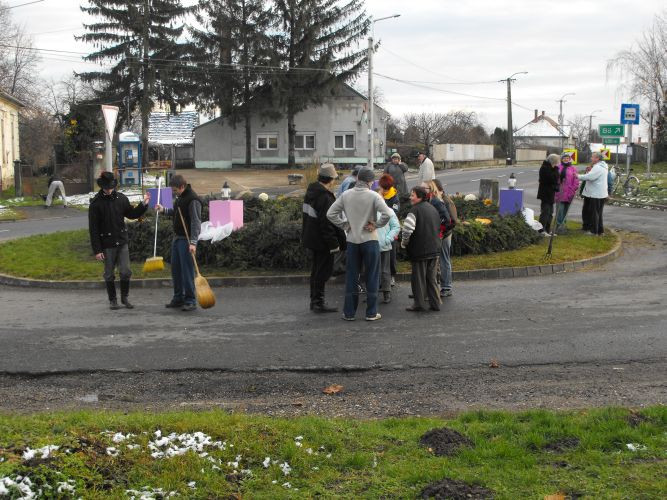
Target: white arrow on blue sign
x=630, y=114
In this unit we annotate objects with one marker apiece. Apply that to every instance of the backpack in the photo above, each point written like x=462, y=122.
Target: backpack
x=611, y=177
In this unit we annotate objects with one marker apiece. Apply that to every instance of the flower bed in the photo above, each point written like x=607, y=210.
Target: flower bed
x=271, y=236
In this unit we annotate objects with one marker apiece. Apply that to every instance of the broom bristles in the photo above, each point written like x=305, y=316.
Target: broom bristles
x=205, y=296
x=153, y=264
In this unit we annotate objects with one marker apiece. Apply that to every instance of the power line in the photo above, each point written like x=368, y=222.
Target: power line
x=20, y=5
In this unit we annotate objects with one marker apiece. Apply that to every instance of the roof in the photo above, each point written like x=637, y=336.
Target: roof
x=345, y=87
x=542, y=126
x=166, y=128
x=12, y=99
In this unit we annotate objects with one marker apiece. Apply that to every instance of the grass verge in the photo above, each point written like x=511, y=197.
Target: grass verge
x=9, y=214
x=67, y=256
x=513, y=455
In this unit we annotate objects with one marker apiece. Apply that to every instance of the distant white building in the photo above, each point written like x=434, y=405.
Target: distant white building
x=9, y=138
x=543, y=132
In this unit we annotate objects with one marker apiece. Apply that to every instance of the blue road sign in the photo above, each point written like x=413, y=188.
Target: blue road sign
x=630, y=114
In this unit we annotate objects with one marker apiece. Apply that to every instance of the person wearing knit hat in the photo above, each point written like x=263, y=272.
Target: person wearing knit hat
x=359, y=212
x=320, y=236
x=397, y=169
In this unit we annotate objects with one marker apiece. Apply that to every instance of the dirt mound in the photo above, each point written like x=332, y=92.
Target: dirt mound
x=563, y=444
x=444, y=441
x=450, y=489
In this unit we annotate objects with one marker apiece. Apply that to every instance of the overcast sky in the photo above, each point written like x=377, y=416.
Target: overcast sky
x=564, y=46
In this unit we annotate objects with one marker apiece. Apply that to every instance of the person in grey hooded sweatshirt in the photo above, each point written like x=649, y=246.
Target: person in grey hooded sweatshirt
x=356, y=212
x=596, y=190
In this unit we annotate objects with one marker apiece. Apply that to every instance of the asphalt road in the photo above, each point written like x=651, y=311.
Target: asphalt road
x=568, y=331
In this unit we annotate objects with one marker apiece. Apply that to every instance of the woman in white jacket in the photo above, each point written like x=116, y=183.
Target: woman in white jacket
x=596, y=190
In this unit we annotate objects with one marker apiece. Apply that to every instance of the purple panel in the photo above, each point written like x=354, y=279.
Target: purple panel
x=511, y=201
x=165, y=197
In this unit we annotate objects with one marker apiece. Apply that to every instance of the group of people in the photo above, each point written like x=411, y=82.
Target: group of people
x=559, y=183
x=109, y=238
x=362, y=221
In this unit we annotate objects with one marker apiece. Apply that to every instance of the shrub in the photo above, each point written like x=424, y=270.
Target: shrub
x=271, y=236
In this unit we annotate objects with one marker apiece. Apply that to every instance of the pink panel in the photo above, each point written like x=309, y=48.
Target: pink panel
x=222, y=212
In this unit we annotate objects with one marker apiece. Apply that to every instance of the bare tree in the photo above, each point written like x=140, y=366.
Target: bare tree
x=643, y=68
x=459, y=127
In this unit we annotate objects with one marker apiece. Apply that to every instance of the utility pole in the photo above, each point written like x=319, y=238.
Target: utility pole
x=649, y=158
x=510, y=133
x=590, y=130
x=371, y=110
x=561, y=120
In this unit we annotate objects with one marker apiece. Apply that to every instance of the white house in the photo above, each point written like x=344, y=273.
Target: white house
x=335, y=131
x=543, y=132
x=9, y=138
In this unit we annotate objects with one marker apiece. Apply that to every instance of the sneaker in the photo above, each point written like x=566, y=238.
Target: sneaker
x=347, y=318
x=445, y=293
x=374, y=318
x=173, y=305
x=189, y=307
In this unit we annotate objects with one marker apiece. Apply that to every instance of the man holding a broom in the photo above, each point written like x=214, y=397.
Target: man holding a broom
x=108, y=235
x=187, y=226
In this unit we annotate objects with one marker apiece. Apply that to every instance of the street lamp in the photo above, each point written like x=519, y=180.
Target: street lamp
x=590, y=124
x=510, y=135
x=371, y=148
x=561, y=121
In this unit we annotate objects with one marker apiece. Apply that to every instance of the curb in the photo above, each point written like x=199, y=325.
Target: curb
x=304, y=279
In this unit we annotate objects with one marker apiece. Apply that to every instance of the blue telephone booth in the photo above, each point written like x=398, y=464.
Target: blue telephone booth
x=129, y=159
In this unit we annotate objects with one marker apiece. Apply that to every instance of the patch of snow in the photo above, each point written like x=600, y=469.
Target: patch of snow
x=45, y=451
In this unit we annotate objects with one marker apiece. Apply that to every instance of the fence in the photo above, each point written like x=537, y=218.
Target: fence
x=462, y=152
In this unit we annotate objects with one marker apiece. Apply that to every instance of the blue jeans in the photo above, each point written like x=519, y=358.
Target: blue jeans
x=182, y=272
x=563, y=207
x=446, y=264
x=367, y=253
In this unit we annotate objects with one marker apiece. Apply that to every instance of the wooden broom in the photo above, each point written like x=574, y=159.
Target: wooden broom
x=205, y=296
x=155, y=263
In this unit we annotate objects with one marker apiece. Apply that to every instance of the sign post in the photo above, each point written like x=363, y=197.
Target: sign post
x=630, y=117
x=110, y=115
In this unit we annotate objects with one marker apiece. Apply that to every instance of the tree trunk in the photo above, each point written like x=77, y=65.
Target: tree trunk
x=248, y=138
x=145, y=98
x=291, y=133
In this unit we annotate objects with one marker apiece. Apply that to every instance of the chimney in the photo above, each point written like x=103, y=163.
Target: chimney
x=542, y=113
x=535, y=116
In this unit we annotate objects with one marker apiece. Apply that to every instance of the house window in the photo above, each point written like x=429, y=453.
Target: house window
x=267, y=141
x=343, y=141
x=304, y=140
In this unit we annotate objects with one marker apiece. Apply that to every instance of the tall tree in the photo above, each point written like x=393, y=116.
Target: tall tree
x=141, y=41
x=317, y=50
x=230, y=49
x=18, y=60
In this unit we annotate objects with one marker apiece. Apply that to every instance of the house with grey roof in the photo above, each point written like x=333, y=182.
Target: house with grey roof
x=171, y=139
x=335, y=131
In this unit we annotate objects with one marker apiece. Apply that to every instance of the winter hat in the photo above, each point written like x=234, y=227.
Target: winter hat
x=327, y=170
x=565, y=154
x=106, y=180
x=366, y=175
x=396, y=155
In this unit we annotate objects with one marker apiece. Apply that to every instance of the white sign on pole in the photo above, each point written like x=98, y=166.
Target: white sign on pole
x=110, y=115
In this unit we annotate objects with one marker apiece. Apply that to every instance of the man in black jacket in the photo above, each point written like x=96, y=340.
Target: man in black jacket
x=108, y=235
x=421, y=238
x=320, y=236
x=182, y=264
x=549, y=184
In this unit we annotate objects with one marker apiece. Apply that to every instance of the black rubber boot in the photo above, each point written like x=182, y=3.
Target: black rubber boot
x=124, y=292
x=320, y=306
x=111, y=292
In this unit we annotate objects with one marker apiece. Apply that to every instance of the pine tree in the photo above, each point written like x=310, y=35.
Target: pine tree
x=232, y=53
x=318, y=48
x=140, y=40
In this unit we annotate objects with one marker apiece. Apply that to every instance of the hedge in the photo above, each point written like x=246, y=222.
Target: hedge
x=271, y=236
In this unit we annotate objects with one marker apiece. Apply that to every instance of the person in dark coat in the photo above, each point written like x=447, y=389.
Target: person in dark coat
x=108, y=235
x=397, y=169
x=421, y=238
x=188, y=205
x=549, y=182
x=320, y=236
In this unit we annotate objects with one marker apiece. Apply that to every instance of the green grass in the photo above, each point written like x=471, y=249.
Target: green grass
x=350, y=458
x=67, y=256
x=7, y=214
